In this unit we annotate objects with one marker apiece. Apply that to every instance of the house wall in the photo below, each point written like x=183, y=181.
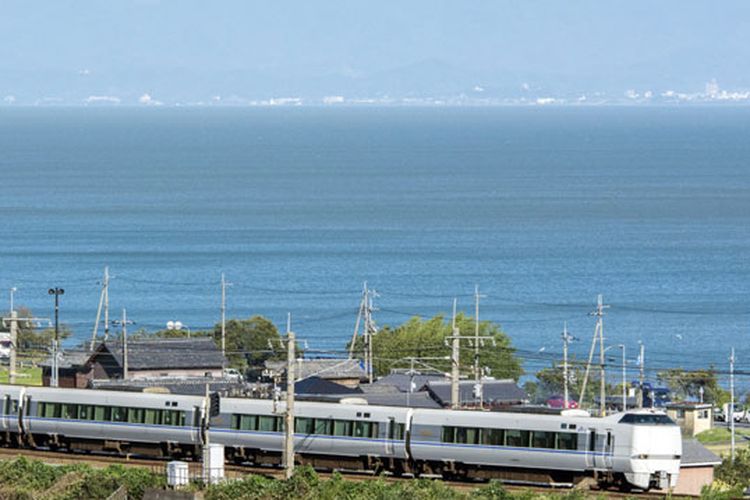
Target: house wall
x=693, y=479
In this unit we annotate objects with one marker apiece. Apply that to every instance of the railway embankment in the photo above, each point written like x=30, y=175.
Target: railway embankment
x=55, y=477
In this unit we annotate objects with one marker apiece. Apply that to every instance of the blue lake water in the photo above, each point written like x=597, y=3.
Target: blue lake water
x=543, y=208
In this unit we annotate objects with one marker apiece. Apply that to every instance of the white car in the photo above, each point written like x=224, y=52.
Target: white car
x=233, y=375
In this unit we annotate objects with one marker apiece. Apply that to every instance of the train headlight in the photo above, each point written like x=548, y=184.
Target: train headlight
x=642, y=456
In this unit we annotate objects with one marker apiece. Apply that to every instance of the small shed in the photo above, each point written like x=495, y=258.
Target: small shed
x=696, y=468
x=693, y=418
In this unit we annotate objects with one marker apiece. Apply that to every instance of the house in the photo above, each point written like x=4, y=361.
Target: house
x=193, y=357
x=347, y=372
x=495, y=393
x=693, y=418
x=696, y=468
x=318, y=389
x=71, y=368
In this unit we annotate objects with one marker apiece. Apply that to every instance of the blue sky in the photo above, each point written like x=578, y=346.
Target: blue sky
x=188, y=49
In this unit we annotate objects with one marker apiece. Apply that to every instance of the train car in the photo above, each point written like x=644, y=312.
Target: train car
x=125, y=422
x=11, y=399
x=625, y=450
x=334, y=436
x=521, y=446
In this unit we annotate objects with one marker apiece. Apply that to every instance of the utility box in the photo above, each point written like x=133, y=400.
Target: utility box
x=213, y=463
x=177, y=474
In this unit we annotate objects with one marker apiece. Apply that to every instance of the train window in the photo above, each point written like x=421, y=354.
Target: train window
x=515, y=437
x=572, y=426
x=70, y=411
x=152, y=417
x=367, y=415
x=119, y=414
x=102, y=413
x=493, y=437
x=181, y=418
x=169, y=417
x=646, y=419
x=52, y=410
x=85, y=412
x=567, y=441
x=400, y=431
x=449, y=435
x=362, y=429
x=135, y=416
x=303, y=425
x=342, y=428
x=467, y=435
x=375, y=430
x=323, y=426
x=540, y=439
x=268, y=423
x=249, y=423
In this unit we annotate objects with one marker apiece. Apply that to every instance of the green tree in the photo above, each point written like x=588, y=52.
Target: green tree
x=31, y=338
x=247, y=342
x=551, y=382
x=687, y=384
x=428, y=338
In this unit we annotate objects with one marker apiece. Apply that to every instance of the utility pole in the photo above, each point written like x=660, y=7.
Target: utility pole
x=477, y=372
x=730, y=413
x=224, y=286
x=124, y=322
x=364, y=317
x=288, y=458
x=103, y=303
x=56, y=342
x=598, y=335
x=566, y=339
x=641, y=375
x=455, y=360
x=624, y=381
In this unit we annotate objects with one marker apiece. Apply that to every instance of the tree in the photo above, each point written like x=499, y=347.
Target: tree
x=247, y=342
x=687, y=384
x=31, y=338
x=428, y=338
x=551, y=382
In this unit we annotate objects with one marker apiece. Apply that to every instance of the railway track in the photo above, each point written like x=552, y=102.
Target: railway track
x=232, y=471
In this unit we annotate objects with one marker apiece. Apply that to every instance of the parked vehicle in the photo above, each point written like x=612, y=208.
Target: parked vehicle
x=558, y=402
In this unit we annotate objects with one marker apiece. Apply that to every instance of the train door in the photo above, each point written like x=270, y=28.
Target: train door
x=608, y=449
x=198, y=427
x=4, y=413
x=591, y=448
x=389, y=435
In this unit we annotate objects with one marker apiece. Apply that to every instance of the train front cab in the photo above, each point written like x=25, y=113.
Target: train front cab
x=655, y=448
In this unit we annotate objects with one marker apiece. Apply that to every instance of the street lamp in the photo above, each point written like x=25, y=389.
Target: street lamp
x=177, y=326
x=56, y=343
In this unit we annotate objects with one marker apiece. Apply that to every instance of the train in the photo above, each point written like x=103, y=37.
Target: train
x=638, y=449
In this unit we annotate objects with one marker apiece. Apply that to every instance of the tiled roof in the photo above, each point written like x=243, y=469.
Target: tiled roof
x=199, y=352
x=493, y=391
x=317, y=385
x=694, y=454
x=189, y=386
x=69, y=359
x=403, y=380
x=323, y=368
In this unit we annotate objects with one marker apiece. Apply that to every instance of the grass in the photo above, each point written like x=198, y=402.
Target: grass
x=24, y=375
x=718, y=439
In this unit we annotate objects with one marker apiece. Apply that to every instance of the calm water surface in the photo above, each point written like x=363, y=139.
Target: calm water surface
x=543, y=208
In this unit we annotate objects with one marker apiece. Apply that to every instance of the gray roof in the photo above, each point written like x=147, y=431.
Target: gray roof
x=421, y=399
x=694, y=454
x=318, y=385
x=323, y=368
x=493, y=391
x=190, y=386
x=403, y=380
x=69, y=359
x=199, y=353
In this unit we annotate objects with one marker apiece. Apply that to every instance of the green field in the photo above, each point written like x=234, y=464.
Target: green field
x=24, y=375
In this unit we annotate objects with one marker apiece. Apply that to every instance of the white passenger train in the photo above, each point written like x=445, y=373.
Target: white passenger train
x=636, y=449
